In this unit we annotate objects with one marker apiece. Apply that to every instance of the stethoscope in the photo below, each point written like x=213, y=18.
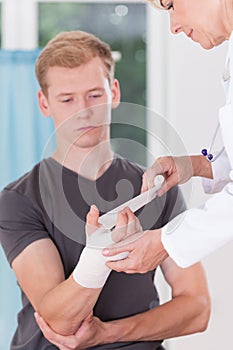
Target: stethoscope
x=207, y=153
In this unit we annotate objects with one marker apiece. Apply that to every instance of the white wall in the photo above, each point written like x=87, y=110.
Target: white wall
x=19, y=24
x=189, y=98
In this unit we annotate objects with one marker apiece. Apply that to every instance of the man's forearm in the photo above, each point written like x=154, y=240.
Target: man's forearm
x=183, y=315
x=65, y=306
x=201, y=167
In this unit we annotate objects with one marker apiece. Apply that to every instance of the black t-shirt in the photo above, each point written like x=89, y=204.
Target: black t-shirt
x=52, y=201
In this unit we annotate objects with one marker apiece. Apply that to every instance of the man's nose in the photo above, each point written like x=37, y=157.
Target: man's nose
x=83, y=109
x=82, y=104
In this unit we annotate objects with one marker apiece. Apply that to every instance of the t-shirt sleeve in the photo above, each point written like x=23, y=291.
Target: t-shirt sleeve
x=21, y=223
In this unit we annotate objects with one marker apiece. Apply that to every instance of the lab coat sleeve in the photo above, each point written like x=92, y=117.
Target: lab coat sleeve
x=198, y=232
x=221, y=168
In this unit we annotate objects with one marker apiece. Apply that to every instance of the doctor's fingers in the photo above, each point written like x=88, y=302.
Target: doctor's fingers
x=121, y=266
x=170, y=182
x=145, y=253
x=132, y=264
x=163, y=166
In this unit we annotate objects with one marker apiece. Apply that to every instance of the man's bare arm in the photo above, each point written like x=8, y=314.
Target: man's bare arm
x=187, y=312
x=62, y=303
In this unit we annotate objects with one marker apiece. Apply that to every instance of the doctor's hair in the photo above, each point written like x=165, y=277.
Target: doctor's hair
x=157, y=3
x=70, y=50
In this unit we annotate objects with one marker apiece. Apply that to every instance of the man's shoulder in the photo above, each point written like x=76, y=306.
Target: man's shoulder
x=25, y=184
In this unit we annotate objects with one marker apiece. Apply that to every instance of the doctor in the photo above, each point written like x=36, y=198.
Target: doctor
x=200, y=231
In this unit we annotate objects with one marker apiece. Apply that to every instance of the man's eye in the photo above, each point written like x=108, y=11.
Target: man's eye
x=66, y=100
x=97, y=95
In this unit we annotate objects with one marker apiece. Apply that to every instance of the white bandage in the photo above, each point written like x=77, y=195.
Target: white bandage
x=109, y=219
x=91, y=271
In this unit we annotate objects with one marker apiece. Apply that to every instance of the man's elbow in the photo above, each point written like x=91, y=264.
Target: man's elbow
x=203, y=319
x=61, y=326
x=58, y=322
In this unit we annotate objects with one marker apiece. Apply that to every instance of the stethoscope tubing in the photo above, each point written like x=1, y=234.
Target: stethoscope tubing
x=208, y=153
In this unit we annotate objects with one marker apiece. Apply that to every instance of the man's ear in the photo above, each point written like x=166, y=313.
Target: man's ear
x=43, y=104
x=116, y=94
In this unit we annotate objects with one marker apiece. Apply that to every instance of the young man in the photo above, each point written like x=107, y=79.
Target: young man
x=43, y=214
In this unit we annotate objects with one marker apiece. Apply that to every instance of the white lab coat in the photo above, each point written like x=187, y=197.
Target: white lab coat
x=200, y=231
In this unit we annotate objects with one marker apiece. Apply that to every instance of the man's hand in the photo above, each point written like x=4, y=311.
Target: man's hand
x=90, y=333
x=91, y=271
x=145, y=253
x=176, y=170
x=127, y=226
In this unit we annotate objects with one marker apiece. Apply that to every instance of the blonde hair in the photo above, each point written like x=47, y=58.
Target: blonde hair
x=157, y=4
x=71, y=50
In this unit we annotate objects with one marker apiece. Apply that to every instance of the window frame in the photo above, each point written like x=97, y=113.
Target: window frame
x=16, y=36
x=15, y=33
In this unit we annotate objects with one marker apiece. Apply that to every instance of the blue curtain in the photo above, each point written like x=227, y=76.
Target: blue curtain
x=24, y=133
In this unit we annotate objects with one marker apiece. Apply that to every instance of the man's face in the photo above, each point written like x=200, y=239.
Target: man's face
x=80, y=101
x=200, y=20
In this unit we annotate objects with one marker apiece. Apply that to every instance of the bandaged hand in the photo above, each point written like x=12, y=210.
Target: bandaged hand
x=91, y=270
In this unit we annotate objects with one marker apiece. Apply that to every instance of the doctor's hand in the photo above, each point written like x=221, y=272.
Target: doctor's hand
x=176, y=170
x=145, y=253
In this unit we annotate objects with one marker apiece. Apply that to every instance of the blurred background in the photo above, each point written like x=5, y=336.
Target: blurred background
x=171, y=92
